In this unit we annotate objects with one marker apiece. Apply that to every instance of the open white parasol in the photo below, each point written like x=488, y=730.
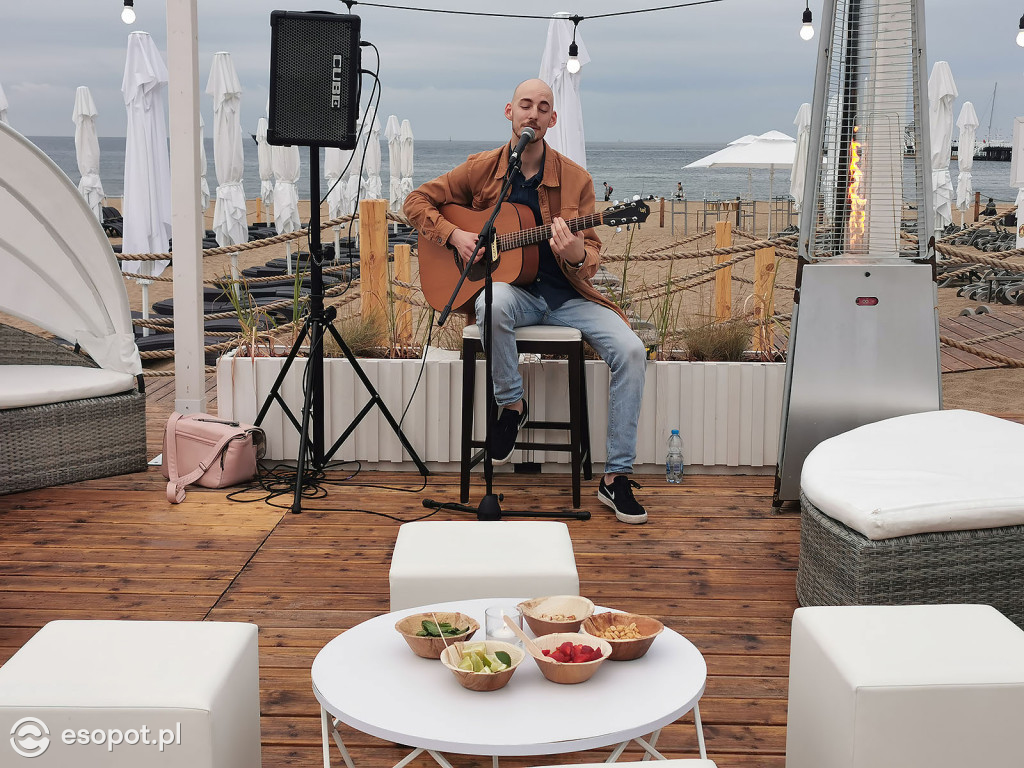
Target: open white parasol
x=566, y=136
x=87, y=150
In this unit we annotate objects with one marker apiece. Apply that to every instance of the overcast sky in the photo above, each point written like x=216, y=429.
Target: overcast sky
x=707, y=73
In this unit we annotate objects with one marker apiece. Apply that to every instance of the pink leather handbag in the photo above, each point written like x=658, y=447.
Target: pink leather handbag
x=210, y=452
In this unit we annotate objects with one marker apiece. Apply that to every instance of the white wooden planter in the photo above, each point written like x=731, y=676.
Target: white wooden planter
x=728, y=413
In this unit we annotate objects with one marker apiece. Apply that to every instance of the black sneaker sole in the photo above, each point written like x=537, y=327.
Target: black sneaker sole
x=622, y=518
x=523, y=418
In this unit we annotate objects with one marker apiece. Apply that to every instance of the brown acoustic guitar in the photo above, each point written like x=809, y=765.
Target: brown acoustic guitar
x=513, y=253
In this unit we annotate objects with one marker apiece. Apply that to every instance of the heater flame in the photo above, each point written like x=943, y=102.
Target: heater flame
x=857, y=201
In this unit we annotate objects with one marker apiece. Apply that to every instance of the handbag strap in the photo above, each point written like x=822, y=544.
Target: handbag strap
x=175, y=484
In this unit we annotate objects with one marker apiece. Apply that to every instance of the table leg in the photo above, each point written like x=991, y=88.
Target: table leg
x=700, y=732
x=329, y=727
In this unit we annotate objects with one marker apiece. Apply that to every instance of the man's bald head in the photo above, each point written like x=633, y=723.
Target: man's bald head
x=536, y=87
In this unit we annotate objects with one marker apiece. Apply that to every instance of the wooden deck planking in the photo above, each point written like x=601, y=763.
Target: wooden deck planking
x=968, y=327
x=715, y=563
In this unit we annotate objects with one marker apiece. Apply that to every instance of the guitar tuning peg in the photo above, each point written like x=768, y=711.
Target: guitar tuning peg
x=618, y=229
x=636, y=197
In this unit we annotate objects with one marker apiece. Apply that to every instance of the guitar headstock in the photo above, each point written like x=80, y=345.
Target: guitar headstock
x=633, y=212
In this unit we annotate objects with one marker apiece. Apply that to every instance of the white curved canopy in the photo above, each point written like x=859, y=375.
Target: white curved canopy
x=59, y=270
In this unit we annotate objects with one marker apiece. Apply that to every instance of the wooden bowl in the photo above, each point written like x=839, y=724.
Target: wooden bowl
x=624, y=650
x=568, y=673
x=482, y=681
x=431, y=647
x=540, y=611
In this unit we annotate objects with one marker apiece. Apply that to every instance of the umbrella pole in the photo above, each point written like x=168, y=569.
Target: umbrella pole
x=288, y=256
x=337, y=244
x=234, y=268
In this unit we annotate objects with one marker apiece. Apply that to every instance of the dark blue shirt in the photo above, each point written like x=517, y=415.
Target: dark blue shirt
x=551, y=284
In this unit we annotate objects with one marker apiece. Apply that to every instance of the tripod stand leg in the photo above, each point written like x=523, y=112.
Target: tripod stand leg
x=375, y=399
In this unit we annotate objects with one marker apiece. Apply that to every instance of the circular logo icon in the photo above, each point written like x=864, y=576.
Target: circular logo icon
x=30, y=737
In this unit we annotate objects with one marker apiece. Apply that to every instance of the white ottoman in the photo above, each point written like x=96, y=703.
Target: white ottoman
x=130, y=693
x=917, y=686
x=437, y=561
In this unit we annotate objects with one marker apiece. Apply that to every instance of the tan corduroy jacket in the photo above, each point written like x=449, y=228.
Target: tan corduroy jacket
x=565, y=189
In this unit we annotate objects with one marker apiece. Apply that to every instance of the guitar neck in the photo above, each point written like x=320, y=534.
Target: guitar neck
x=534, y=235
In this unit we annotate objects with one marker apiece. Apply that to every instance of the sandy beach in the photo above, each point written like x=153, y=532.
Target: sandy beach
x=994, y=390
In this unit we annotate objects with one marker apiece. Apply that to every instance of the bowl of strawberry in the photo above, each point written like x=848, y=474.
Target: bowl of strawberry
x=570, y=657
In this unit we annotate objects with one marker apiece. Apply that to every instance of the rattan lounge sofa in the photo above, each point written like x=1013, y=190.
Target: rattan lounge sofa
x=909, y=511
x=65, y=441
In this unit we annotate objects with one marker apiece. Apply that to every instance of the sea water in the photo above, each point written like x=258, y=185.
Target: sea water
x=632, y=168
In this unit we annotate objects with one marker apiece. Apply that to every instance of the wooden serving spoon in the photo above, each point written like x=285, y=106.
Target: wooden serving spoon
x=531, y=646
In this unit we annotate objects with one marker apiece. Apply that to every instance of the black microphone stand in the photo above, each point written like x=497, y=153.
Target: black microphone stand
x=490, y=505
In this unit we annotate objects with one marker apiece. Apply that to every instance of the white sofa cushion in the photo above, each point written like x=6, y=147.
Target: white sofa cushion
x=920, y=473
x=22, y=386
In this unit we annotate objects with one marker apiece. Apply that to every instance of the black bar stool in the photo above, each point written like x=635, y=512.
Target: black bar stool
x=541, y=340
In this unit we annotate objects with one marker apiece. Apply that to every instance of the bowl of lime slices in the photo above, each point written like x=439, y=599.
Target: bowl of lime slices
x=482, y=666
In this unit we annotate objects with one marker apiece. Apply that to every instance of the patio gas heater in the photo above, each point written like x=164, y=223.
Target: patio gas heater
x=864, y=339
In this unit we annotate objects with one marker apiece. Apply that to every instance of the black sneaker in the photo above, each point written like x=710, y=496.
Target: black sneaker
x=506, y=430
x=619, y=496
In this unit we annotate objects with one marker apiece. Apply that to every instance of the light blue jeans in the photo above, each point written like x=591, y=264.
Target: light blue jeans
x=603, y=329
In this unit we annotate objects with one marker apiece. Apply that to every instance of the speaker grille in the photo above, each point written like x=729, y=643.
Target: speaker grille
x=314, y=79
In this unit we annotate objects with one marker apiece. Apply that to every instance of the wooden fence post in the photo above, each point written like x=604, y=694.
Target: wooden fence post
x=403, y=309
x=662, y=224
x=373, y=257
x=977, y=204
x=723, y=277
x=764, y=299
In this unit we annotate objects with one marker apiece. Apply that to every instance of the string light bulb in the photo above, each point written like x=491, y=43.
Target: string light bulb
x=807, y=31
x=128, y=13
x=572, y=66
x=1020, y=33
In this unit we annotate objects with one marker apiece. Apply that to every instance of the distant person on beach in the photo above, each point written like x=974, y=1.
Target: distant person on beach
x=608, y=192
x=990, y=209
x=556, y=189
x=679, y=191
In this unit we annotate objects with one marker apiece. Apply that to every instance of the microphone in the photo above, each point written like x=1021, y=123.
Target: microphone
x=525, y=137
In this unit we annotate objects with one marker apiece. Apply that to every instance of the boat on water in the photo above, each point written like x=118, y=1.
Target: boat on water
x=994, y=149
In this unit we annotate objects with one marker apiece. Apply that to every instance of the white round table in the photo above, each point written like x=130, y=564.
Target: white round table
x=369, y=679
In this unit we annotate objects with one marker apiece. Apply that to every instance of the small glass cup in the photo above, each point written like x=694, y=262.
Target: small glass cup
x=495, y=627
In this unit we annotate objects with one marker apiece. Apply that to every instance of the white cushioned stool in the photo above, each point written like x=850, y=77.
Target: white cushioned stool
x=923, y=508
x=916, y=686
x=439, y=560
x=103, y=689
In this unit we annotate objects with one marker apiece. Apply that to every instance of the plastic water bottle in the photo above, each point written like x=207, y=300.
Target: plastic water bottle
x=674, y=458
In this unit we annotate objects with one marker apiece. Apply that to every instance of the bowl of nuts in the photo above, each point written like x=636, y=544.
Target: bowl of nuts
x=559, y=613
x=629, y=634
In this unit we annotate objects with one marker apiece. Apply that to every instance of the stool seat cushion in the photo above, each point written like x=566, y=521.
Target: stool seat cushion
x=532, y=333
x=921, y=473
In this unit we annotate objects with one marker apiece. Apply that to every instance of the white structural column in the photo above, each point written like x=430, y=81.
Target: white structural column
x=186, y=218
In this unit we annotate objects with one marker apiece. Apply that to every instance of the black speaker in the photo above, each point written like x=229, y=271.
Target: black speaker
x=314, y=79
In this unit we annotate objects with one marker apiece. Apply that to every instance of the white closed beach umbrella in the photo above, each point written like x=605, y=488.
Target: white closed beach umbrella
x=286, y=164
x=407, y=149
x=204, y=185
x=87, y=151
x=147, y=171
x=229, y=214
x=393, y=133
x=372, y=188
x=941, y=93
x=803, y=141
x=967, y=123
x=1017, y=175
x=566, y=136
x=336, y=172
x=3, y=105
x=265, y=159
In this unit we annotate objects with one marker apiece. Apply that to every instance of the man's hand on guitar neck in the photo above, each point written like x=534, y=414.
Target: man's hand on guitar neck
x=464, y=242
x=564, y=244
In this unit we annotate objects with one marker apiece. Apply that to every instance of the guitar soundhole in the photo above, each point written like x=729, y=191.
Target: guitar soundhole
x=478, y=271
